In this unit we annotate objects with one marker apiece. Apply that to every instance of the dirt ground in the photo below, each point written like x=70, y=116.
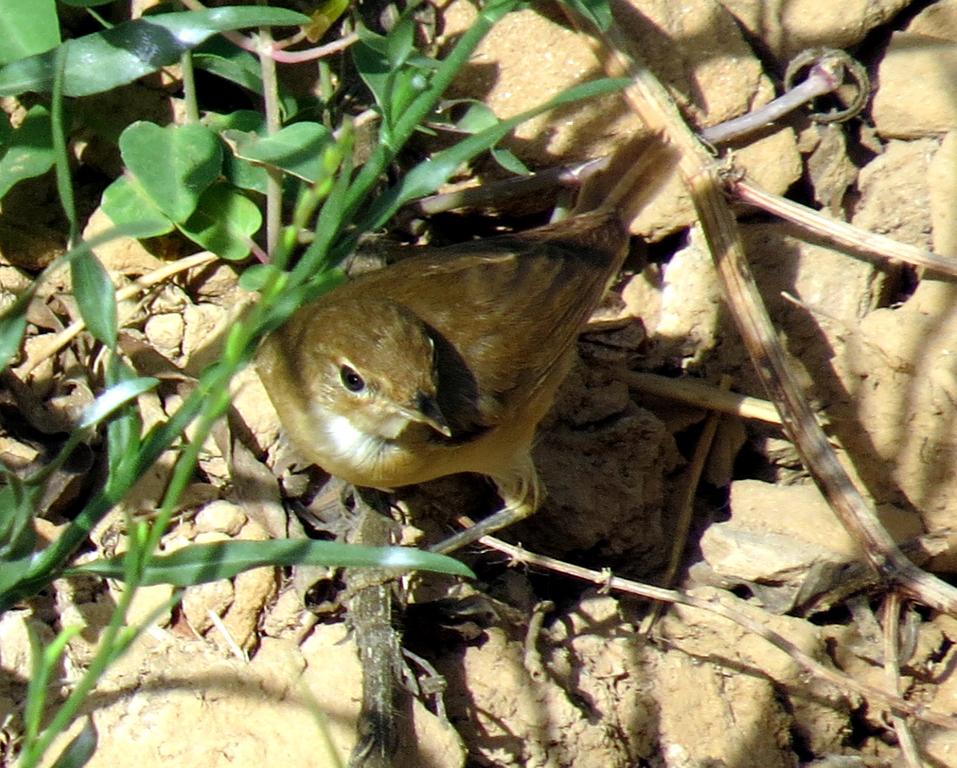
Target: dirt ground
x=552, y=672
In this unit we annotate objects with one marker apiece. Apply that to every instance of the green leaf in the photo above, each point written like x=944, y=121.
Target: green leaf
x=81, y=747
x=247, y=120
x=36, y=686
x=477, y=117
x=400, y=42
x=124, y=430
x=29, y=149
x=324, y=17
x=296, y=149
x=128, y=51
x=373, y=65
x=61, y=156
x=256, y=277
x=228, y=61
x=598, y=12
x=13, y=324
x=387, y=66
x=333, y=213
x=27, y=27
x=95, y=296
x=407, y=85
x=18, y=502
x=125, y=202
x=44, y=661
x=509, y=161
x=201, y=563
x=11, y=575
x=224, y=222
x=115, y=398
x=245, y=175
x=231, y=128
x=174, y=165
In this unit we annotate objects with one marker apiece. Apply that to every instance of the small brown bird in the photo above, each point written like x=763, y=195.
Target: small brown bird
x=444, y=362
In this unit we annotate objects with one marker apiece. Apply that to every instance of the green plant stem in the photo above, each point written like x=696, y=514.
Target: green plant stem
x=62, y=160
x=99, y=19
x=267, y=67
x=114, y=642
x=42, y=662
x=189, y=458
x=189, y=87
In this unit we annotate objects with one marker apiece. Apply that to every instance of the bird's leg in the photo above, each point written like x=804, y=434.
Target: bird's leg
x=522, y=493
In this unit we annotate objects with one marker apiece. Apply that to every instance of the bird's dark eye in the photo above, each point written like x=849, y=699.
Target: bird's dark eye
x=351, y=380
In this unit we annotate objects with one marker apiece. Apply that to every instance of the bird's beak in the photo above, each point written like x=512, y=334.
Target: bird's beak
x=428, y=412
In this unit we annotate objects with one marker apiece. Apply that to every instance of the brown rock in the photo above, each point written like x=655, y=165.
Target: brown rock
x=917, y=76
x=786, y=27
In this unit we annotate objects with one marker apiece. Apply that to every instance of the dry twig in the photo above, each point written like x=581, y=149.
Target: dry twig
x=892, y=616
x=689, y=488
x=839, y=231
x=889, y=701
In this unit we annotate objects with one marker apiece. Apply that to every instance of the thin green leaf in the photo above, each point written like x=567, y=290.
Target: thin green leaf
x=19, y=504
x=123, y=433
x=507, y=159
x=43, y=663
x=11, y=576
x=36, y=686
x=29, y=149
x=224, y=222
x=64, y=181
x=400, y=42
x=13, y=325
x=408, y=84
x=332, y=214
x=447, y=70
x=115, y=398
x=81, y=747
x=174, y=164
x=27, y=27
x=95, y=297
x=117, y=56
x=598, y=12
x=373, y=67
x=201, y=563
